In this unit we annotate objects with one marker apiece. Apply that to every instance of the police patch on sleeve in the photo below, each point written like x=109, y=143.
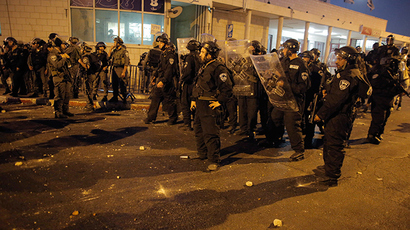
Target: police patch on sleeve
x=344, y=84
x=305, y=76
x=223, y=77
x=53, y=58
x=171, y=61
x=86, y=60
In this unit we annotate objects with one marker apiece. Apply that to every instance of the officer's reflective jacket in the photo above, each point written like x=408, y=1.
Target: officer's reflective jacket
x=342, y=93
x=58, y=65
x=213, y=83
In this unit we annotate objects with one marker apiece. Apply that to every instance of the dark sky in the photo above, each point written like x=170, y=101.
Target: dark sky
x=397, y=12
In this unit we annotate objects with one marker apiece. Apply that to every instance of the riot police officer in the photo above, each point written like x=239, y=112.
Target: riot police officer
x=297, y=74
x=165, y=80
x=150, y=64
x=90, y=65
x=73, y=50
x=384, y=75
x=37, y=61
x=188, y=75
x=213, y=87
x=102, y=74
x=120, y=61
x=337, y=112
x=16, y=62
x=57, y=62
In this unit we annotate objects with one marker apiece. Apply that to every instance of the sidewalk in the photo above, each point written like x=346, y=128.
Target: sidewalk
x=140, y=101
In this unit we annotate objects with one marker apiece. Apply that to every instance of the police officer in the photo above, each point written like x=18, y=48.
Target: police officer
x=189, y=71
x=213, y=87
x=166, y=80
x=249, y=105
x=150, y=64
x=297, y=75
x=57, y=62
x=120, y=61
x=37, y=61
x=102, y=73
x=89, y=65
x=384, y=75
x=337, y=112
x=73, y=50
x=16, y=62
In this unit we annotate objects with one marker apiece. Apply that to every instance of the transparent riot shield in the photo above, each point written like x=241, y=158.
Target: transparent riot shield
x=182, y=52
x=239, y=62
x=270, y=73
x=222, y=53
x=206, y=38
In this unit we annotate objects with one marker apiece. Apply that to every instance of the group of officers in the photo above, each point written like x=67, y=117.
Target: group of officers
x=59, y=69
x=206, y=89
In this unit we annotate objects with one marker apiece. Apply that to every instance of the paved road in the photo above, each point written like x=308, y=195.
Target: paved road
x=92, y=163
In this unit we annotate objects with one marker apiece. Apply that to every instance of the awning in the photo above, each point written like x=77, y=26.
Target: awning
x=197, y=2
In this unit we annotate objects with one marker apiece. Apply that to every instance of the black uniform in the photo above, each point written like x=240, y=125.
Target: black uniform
x=337, y=112
x=213, y=84
x=16, y=61
x=102, y=73
x=150, y=65
x=74, y=52
x=384, y=90
x=297, y=75
x=191, y=67
x=167, y=74
x=92, y=66
x=38, y=60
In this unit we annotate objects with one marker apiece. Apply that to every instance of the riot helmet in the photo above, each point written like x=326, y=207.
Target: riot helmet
x=390, y=40
x=58, y=42
x=292, y=45
x=10, y=39
x=162, y=38
x=86, y=48
x=52, y=36
x=376, y=45
x=308, y=54
x=118, y=40
x=193, y=45
x=73, y=40
x=404, y=50
x=257, y=47
x=316, y=52
x=211, y=48
x=100, y=44
x=348, y=53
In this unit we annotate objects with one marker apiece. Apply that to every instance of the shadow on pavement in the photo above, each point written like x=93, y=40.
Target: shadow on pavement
x=202, y=208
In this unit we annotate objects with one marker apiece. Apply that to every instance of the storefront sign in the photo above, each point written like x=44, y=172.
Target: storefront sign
x=369, y=31
x=155, y=6
x=155, y=28
x=229, y=31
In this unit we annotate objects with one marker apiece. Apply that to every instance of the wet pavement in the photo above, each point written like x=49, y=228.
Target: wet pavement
x=109, y=170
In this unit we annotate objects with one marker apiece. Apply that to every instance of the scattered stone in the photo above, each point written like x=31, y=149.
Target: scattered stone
x=184, y=157
x=249, y=183
x=19, y=163
x=360, y=173
x=75, y=213
x=142, y=147
x=3, y=111
x=379, y=178
x=118, y=177
x=277, y=223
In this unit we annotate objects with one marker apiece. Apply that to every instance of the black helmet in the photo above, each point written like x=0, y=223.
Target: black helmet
x=73, y=40
x=87, y=48
x=100, y=44
x=257, y=46
x=38, y=41
x=212, y=48
x=307, y=54
x=162, y=38
x=316, y=52
x=292, y=45
x=118, y=40
x=58, y=42
x=390, y=40
x=52, y=36
x=348, y=53
x=11, y=39
x=376, y=45
x=193, y=45
x=404, y=50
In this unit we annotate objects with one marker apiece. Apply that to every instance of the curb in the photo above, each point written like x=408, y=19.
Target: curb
x=142, y=102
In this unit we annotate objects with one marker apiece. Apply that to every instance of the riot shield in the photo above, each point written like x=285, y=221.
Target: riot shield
x=239, y=62
x=270, y=73
x=206, y=38
x=222, y=53
x=182, y=52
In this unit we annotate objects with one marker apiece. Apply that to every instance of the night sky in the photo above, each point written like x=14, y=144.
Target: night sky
x=397, y=12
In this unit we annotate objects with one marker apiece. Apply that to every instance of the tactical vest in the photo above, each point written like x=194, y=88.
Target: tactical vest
x=118, y=58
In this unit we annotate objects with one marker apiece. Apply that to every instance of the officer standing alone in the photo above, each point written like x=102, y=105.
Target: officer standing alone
x=212, y=88
x=337, y=113
x=120, y=61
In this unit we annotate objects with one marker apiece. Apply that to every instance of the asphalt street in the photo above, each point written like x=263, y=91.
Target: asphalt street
x=109, y=170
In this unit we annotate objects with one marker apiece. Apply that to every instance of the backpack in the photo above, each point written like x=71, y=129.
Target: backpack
x=95, y=63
